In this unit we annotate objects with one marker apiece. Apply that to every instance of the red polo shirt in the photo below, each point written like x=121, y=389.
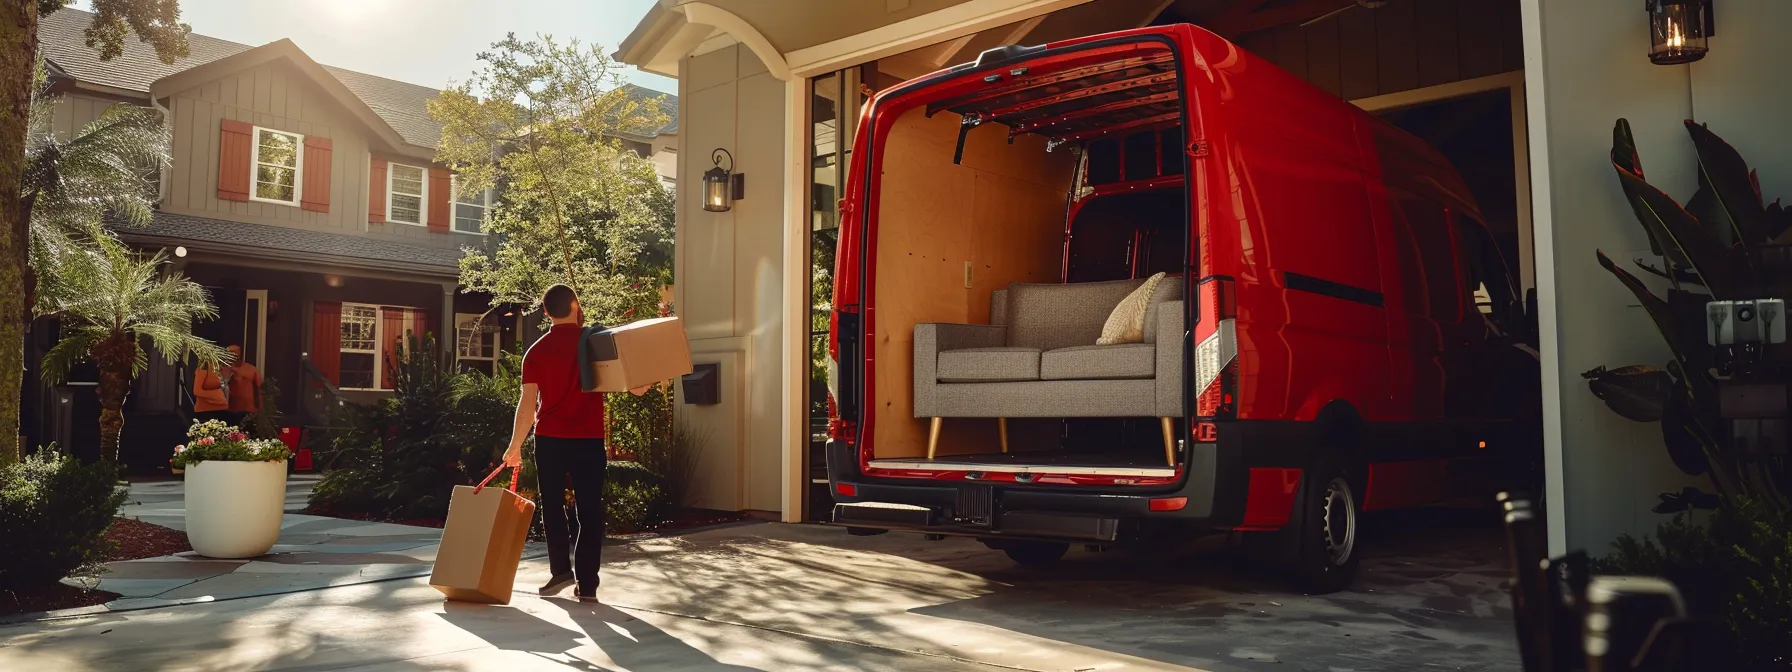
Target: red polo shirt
x=566, y=411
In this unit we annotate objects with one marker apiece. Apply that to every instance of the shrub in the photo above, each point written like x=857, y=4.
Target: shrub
x=1733, y=567
x=218, y=440
x=674, y=459
x=403, y=456
x=265, y=423
x=54, y=511
x=634, y=497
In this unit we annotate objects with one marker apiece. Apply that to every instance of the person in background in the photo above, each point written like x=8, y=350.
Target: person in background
x=568, y=423
x=211, y=389
x=245, y=387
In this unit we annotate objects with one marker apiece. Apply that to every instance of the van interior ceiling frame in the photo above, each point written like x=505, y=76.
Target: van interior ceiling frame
x=1160, y=71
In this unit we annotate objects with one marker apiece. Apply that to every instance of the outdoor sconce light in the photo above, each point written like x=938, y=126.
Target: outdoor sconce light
x=722, y=186
x=1678, y=30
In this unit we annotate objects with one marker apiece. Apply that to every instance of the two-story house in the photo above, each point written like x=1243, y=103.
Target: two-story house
x=307, y=198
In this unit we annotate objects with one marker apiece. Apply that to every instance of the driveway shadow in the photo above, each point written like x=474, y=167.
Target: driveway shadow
x=628, y=641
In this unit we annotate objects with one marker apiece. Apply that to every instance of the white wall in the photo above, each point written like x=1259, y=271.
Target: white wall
x=729, y=270
x=1587, y=66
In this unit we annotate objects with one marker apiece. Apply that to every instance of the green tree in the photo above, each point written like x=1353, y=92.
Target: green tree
x=110, y=301
x=154, y=21
x=539, y=120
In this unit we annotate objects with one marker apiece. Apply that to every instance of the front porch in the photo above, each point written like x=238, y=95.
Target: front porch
x=322, y=335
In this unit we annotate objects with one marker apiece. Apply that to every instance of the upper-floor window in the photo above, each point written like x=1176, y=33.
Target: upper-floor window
x=405, y=193
x=471, y=209
x=277, y=159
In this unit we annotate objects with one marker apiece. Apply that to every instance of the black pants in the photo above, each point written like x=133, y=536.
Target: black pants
x=582, y=462
x=228, y=417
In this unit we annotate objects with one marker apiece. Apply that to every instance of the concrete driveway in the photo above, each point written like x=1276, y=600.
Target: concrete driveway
x=788, y=597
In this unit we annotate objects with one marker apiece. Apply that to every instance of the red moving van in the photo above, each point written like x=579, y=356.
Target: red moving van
x=1329, y=326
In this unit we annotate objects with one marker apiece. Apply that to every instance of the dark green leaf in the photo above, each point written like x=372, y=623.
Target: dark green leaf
x=1653, y=305
x=1683, y=240
x=1725, y=177
x=1636, y=392
x=1626, y=158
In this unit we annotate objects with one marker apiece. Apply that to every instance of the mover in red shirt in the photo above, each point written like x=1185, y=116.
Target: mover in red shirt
x=569, y=445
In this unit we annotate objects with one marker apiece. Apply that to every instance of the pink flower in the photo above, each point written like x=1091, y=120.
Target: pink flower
x=238, y=436
x=206, y=441
x=180, y=449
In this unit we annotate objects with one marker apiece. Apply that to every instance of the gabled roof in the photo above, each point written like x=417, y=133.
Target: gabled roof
x=285, y=50
x=401, y=105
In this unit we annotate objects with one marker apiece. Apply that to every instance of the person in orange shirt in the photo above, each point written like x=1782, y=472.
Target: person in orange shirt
x=211, y=400
x=245, y=387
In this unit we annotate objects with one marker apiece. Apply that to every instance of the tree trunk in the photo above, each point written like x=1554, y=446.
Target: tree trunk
x=114, y=357
x=18, y=58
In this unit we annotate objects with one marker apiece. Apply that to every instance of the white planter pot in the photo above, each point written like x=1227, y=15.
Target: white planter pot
x=234, y=508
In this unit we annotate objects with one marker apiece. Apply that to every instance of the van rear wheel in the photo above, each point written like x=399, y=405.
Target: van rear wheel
x=1035, y=553
x=1323, y=529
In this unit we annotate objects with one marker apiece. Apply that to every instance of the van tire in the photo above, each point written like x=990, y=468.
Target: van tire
x=1322, y=540
x=1035, y=553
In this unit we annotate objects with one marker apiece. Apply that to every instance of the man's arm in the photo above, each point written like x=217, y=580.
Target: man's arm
x=525, y=421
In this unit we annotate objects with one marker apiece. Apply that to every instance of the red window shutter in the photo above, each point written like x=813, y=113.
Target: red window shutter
x=376, y=191
x=234, y=142
x=420, y=324
x=441, y=188
x=392, y=323
x=326, y=340
x=316, y=173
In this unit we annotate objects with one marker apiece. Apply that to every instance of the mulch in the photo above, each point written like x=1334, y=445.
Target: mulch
x=131, y=540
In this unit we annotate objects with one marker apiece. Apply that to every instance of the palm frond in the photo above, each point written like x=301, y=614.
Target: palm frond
x=69, y=351
x=104, y=288
x=109, y=166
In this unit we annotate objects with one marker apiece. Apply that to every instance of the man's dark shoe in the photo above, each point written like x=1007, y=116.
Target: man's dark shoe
x=559, y=583
x=588, y=593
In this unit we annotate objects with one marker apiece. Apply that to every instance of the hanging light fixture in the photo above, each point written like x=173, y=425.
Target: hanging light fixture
x=722, y=186
x=1678, y=30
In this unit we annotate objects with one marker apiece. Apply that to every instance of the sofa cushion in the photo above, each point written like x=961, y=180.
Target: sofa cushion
x=1168, y=290
x=1052, y=316
x=1099, y=362
x=989, y=365
x=1127, y=323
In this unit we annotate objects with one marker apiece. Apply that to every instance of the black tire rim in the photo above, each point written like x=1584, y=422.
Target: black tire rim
x=1339, y=526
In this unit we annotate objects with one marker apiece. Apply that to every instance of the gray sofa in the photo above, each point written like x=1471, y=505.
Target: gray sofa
x=1038, y=359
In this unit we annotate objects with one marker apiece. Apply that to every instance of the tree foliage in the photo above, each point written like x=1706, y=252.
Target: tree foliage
x=540, y=120
x=156, y=22
x=109, y=302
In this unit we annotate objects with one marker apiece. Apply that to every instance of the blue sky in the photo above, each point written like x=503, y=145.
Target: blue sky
x=428, y=42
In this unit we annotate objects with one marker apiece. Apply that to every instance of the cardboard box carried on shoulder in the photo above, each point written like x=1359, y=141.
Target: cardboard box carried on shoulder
x=482, y=543
x=623, y=358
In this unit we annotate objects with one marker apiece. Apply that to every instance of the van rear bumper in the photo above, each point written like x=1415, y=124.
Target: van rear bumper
x=1079, y=514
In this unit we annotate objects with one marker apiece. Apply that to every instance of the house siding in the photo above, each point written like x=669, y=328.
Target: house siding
x=74, y=113
x=276, y=95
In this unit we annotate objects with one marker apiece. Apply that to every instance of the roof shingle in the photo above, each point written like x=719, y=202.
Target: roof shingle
x=401, y=104
x=328, y=247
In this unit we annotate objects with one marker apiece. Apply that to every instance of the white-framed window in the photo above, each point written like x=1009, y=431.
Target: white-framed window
x=278, y=158
x=365, y=344
x=476, y=341
x=471, y=210
x=407, y=191
x=360, y=365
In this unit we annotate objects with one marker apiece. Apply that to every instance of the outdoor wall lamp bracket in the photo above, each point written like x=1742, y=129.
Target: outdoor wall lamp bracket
x=722, y=186
x=1678, y=30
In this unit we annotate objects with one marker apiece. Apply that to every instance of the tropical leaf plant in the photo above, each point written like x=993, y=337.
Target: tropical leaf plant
x=1723, y=244
x=110, y=302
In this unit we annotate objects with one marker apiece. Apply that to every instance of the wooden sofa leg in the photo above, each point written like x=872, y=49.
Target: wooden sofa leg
x=1169, y=441
x=1002, y=428
x=933, y=438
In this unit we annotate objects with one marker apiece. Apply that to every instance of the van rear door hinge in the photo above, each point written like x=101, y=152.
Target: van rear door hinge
x=1198, y=148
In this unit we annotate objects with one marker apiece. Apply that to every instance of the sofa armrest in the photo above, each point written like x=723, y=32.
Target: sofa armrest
x=1170, y=329
x=930, y=340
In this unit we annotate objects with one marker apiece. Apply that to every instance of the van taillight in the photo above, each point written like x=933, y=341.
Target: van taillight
x=1216, y=349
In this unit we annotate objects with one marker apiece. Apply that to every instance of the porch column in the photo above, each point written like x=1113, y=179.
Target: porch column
x=449, y=337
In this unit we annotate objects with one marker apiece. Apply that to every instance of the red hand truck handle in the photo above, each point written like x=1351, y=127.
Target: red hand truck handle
x=516, y=474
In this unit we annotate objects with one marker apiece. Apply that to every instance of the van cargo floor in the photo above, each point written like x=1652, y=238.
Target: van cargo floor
x=1054, y=462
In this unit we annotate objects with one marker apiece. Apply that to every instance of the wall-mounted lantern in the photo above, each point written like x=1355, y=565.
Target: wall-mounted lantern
x=722, y=186
x=1678, y=30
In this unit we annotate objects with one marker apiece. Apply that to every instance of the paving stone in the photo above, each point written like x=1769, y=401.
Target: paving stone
x=136, y=569
x=132, y=588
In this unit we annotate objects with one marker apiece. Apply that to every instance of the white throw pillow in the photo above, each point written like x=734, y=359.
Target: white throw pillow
x=1127, y=323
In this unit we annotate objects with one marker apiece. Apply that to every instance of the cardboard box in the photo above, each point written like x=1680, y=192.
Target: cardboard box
x=482, y=543
x=636, y=354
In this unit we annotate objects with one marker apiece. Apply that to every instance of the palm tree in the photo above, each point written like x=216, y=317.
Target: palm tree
x=109, y=302
x=69, y=186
